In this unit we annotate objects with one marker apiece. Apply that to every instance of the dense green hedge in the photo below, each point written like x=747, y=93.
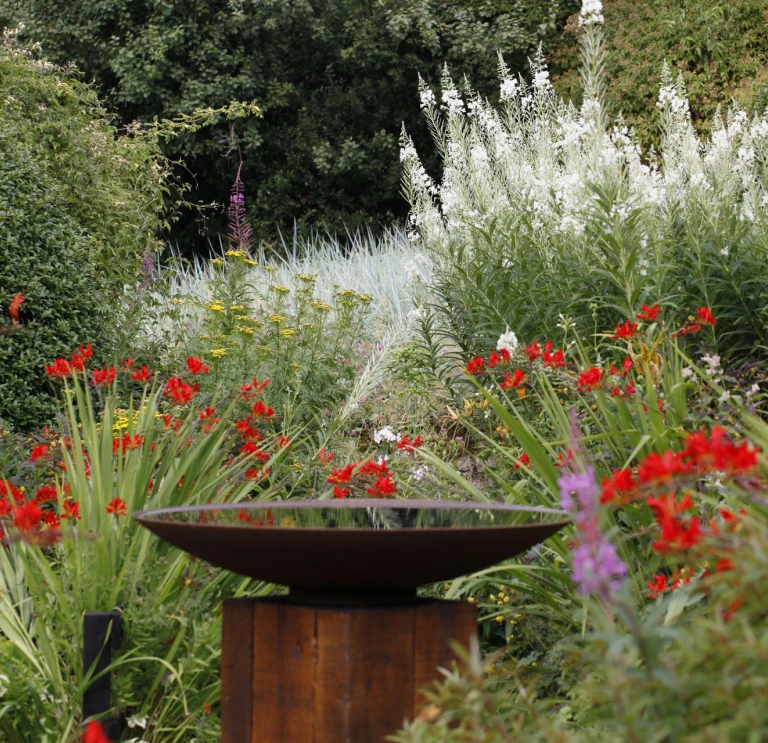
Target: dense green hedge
x=335, y=79
x=720, y=46
x=79, y=206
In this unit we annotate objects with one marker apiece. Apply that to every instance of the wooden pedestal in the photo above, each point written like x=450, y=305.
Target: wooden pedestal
x=294, y=673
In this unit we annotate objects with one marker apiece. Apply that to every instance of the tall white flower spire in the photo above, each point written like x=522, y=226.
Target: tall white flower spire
x=591, y=12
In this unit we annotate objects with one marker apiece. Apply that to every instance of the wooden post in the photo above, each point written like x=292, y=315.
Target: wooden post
x=294, y=673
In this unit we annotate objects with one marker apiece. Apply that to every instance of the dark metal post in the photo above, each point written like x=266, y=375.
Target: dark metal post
x=102, y=633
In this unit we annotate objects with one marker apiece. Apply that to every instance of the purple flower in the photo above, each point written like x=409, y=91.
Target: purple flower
x=597, y=567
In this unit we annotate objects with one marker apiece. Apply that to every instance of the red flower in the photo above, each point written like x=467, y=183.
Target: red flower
x=658, y=586
x=260, y=410
x=382, y=487
x=533, y=351
x=522, y=460
x=405, y=445
x=590, y=379
x=717, y=452
x=207, y=413
x=15, y=306
x=324, y=456
x=5, y=508
x=627, y=330
x=339, y=492
x=505, y=355
x=676, y=534
x=38, y=452
x=686, y=329
x=80, y=356
x=58, y=369
x=251, y=448
x=493, y=359
x=46, y=493
x=509, y=383
x=618, y=487
x=647, y=314
x=94, y=733
x=117, y=507
x=104, y=376
x=142, y=375
x=282, y=442
x=71, y=510
x=255, y=474
x=126, y=364
x=126, y=443
x=251, y=390
x=550, y=359
x=704, y=316
x=7, y=488
x=341, y=474
x=181, y=392
x=656, y=469
x=27, y=517
x=247, y=431
x=476, y=365
x=195, y=365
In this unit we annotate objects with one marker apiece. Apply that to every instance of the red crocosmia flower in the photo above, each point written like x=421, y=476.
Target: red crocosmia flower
x=94, y=733
x=142, y=375
x=658, y=469
x=282, y=442
x=58, y=369
x=126, y=364
x=692, y=328
x=627, y=330
x=476, y=365
x=249, y=391
x=27, y=517
x=533, y=351
x=523, y=460
x=516, y=380
x=247, y=431
x=341, y=474
x=658, y=586
x=207, y=413
x=493, y=359
x=251, y=449
x=71, y=510
x=104, y=376
x=5, y=508
x=195, y=365
x=8, y=488
x=38, y=452
x=117, y=507
x=676, y=534
x=260, y=410
x=406, y=445
x=339, y=492
x=324, y=456
x=243, y=516
x=46, y=493
x=505, y=355
x=14, y=308
x=724, y=566
x=717, y=452
x=590, y=379
x=705, y=316
x=126, y=443
x=382, y=487
x=618, y=487
x=648, y=314
x=51, y=520
x=373, y=469
x=255, y=474
x=553, y=360
x=180, y=391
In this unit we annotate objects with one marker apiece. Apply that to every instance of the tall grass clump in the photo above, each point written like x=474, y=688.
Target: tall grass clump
x=547, y=211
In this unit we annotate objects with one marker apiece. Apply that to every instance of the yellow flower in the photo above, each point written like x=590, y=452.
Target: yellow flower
x=322, y=306
x=217, y=261
x=177, y=301
x=245, y=331
x=346, y=293
x=216, y=307
x=217, y=353
x=236, y=253
x=276, y=319
x=250, y=262
x=236, y=307
x=281, y=289
x=270, y=268
x=288, y=332
x=365, y=298
x=243, y=318
x=305, y=277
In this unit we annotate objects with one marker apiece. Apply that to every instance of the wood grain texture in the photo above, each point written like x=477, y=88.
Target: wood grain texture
x=236, y=668
x=437, y=625
x=317, y=674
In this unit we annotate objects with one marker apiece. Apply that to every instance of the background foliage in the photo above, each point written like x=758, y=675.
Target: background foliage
x=720, y=47
x=334, y=79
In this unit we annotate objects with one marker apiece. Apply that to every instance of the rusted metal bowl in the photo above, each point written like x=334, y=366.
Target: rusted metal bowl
x=381, y=547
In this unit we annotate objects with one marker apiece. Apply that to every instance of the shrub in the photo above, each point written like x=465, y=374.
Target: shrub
x=546, y=214
x=335, y=80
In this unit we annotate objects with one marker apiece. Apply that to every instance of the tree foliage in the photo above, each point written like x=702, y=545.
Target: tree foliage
x=334, y=79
